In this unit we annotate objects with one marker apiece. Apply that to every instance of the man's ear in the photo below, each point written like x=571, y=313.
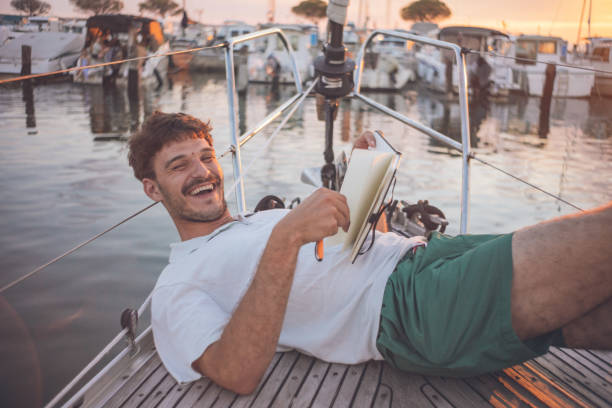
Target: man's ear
x=151, y=189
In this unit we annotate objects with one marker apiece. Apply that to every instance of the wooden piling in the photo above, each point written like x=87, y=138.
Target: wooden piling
x=547, y=91
x=26, y=60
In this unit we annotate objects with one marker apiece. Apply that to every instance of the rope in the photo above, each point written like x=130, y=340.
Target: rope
x=273, y=135
x=472, y=156
x=105, y=64
x=598, y=71
x=82, y=244
x=99, y=356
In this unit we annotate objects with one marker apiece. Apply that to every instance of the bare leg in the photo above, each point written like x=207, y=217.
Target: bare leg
x=593, y=330
x=562, y=270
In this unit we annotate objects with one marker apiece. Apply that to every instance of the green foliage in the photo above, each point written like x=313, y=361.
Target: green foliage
x=425, y=10
x=313, y=10
x=96, y=7
x=31, y=7
x=161, y=7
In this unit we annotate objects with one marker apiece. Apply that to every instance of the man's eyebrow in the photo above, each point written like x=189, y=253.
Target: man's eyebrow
x=180, y=156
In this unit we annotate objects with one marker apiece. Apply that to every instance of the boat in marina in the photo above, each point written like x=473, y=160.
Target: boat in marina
x=51, y=51
x=570, y=82
x=388, y=64
x=54, y=45
x=212, y=59
x=600, y=55
x=270, y=62
x=485, y=70
x=112, y=37
x=194, y=35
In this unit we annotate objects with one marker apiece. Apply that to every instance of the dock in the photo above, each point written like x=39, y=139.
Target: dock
x=560, y=378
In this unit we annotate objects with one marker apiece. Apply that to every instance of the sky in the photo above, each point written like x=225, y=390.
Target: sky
x=546, y=17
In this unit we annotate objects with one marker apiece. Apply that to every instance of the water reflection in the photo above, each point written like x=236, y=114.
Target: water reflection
x=28, y=98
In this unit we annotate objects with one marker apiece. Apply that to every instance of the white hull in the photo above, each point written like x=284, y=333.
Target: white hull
x=51, y=51
x=569, y=82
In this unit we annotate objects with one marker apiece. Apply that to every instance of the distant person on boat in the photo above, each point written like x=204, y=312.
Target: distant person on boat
x=239, y=288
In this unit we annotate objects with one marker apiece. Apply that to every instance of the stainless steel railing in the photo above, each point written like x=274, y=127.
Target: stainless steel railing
x=231, y=99
x=464, y=146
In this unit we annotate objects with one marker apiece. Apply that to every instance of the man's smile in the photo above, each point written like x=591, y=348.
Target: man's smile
x=200, y=187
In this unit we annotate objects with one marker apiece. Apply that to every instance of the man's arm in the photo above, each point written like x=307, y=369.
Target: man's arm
x=238, y=360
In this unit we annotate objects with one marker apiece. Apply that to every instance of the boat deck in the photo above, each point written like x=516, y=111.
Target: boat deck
x=561, y=378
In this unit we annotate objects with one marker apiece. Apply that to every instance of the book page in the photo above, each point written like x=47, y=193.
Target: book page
x=364, y=175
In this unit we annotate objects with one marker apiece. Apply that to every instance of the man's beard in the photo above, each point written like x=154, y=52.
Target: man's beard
x=177, y=207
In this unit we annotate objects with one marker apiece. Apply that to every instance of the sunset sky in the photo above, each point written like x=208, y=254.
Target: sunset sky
x=555, y=17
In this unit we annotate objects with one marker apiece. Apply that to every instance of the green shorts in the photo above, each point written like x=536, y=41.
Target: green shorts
x=446, y=309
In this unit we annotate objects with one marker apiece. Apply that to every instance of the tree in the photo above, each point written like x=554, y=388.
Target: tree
x=98, y=6
x=425, y=10
x=160, y=7
x=31, y=7
x=313, y=10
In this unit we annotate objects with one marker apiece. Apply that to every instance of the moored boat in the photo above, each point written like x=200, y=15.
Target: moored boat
x=600, y=56
x=112, y=37
x=485, y=70
x=51, y=51
x=269, y=62
x=569, y=82
x=213, y=59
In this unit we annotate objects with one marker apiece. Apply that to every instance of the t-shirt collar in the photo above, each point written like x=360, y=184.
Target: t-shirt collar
x=180, y=249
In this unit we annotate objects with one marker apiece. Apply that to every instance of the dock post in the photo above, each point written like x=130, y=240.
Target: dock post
x=26, y=86
x=133, y=82
x=547, y=91
x=26, y=60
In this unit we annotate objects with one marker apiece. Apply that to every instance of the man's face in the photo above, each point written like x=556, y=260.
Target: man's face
x=189, y=181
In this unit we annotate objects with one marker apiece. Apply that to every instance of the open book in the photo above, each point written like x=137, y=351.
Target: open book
x=366, y=183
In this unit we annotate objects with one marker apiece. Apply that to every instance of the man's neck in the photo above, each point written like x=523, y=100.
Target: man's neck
x=192, y=229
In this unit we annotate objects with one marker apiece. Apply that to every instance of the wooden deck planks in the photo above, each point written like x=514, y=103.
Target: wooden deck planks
x=561, y=378
x=131, y=384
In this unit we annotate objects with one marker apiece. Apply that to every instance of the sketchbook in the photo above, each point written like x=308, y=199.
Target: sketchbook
x=366, y=183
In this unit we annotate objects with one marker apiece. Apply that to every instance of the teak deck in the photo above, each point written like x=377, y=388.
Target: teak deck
x=563, y=377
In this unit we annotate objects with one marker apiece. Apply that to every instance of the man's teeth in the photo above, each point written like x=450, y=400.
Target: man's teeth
x=198, y=190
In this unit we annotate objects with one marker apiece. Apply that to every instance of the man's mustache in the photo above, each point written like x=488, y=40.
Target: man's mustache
x=214, y=180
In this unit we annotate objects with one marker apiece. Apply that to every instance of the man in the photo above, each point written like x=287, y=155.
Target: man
x=238, y=289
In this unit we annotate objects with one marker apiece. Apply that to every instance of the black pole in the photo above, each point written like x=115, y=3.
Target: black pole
x=335, y=81
x=547, y=91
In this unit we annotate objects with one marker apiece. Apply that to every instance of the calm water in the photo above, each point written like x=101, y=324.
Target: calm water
x=64, y=177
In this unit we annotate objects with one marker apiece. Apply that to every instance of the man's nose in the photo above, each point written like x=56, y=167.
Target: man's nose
x=200, y=169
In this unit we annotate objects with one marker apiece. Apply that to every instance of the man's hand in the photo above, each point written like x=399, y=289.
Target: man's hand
x=238, y=360
x=365, y=140
x=318, y=216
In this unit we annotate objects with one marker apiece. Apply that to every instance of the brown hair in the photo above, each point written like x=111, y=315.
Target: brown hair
x=156, y=132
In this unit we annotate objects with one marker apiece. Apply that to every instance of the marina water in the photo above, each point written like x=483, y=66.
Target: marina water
x=64, y=177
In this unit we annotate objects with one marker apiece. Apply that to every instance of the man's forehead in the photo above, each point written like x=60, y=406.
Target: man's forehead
x=186, y=145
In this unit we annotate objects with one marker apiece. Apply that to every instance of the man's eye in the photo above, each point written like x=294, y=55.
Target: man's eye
x=178, y=167
x=207, y=158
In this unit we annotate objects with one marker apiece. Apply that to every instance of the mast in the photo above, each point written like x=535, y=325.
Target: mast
x=589, y=20
x=271, y=11
x=580, y=24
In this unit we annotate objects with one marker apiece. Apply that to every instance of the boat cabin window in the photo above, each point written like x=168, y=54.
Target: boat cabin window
x=234, y=33
x=526, y=49
x=601, y=54
x=547, y=47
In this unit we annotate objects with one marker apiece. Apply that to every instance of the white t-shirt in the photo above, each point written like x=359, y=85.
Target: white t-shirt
x=333, y=310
